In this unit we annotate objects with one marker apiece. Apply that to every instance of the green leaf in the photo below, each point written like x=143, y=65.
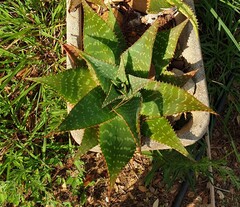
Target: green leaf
x=113, y=24
x=98, y=38
x=177, y=80
x=155, y=6
x=104, y=71
x=112, y=96
x=117, y=145
x=89, y=140
x=121, y=75
x=163, y=99
x=72, y=84
x=186, y=11
x=165, y=46
x=159, y=130
x=137, y=84
x=138, y=57
x=130, y=112
x=88, y=112
x=73, y=54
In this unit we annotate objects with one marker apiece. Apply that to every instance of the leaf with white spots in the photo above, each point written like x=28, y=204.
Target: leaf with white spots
x=137, y=84
x=105, y=72
x=163, y=99
x=165, y=46
x=130, y=112
x=159, y=130
x=88, y=112
x=112, y=96
x=113, y=24
x=89, y=140
x=187, y=11
x=117, y=145
x=156, y=6
x=98, y=38
x=72, y=84
x=138, y=57
x=177, y=80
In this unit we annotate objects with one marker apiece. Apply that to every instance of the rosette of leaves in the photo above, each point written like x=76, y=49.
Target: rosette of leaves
x=116, y=103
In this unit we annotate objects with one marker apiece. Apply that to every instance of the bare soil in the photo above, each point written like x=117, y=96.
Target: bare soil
x=130, y=189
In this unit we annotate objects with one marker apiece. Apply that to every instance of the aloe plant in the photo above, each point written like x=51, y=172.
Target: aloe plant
x=116, y=103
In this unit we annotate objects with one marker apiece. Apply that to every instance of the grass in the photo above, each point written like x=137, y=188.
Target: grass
x=33, y=163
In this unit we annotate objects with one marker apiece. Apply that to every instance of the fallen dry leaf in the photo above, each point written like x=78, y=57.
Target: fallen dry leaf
x=156, y=203
x=142, y=188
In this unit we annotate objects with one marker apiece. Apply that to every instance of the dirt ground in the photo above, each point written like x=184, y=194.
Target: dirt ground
x=130, y=189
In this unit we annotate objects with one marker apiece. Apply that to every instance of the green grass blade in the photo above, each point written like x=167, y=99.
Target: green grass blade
x=117, y=145
x=88, y=112
x=230, y=35
x=163, y=99
x=159, y=129
x=71, y=84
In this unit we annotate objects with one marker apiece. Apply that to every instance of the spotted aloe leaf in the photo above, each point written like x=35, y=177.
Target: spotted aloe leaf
x=72, y=84
x=112, y=96
x=187, y=11
x=137, y=84
x=117, y=145
x=155, y=6
x=73, y=54
x=105, y=72
x=165, y=46
x=114, y=25
x=130, y=112
x=163, y=99
x=177, y=80
x=89, y=140
x=159, y=130
x=88, y=112
x=138, y=57
x=99, y=39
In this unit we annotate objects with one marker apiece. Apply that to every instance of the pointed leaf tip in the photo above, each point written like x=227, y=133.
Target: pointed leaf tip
x=159, y=129
x=117, y=145
x=72, y=84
